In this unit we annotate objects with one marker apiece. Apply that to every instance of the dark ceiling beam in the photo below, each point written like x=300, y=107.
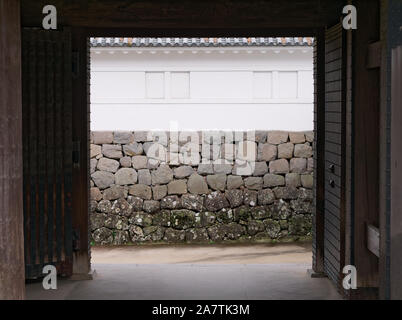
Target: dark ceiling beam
x=184, y=14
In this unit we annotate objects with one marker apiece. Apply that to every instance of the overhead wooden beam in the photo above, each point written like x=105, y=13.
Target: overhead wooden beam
x=12, y=271
x=184, y=14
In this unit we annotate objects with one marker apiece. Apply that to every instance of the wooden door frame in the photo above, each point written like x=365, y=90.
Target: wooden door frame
x=81, y=116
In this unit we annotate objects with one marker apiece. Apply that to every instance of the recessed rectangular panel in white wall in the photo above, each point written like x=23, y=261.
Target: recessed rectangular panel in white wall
x=304, y=84
x=221, y=84
x=104, y=85
x=287, y=84
x=262, y=85
x=155, y=85
x=180, y=85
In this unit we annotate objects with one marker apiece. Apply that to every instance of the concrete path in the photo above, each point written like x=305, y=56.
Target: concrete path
x=205, y=254
x=194, y=273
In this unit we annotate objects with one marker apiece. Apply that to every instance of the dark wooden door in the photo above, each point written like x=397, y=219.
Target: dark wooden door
x=335, y=124
x=47, y=150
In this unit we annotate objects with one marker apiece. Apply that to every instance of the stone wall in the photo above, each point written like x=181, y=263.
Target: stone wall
x=200, y=186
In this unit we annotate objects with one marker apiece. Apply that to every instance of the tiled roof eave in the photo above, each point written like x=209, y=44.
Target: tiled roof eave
x=201, y=42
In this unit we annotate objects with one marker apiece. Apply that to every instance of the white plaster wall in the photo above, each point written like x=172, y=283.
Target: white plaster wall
x=202, y=89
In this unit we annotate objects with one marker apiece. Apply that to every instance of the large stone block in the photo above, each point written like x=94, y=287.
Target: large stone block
x=298, y=165
x=303, y=151
x=160, y=137
x=183, y=172
x=216, y=201
x=273, y=180
x=279, y=166
x=190, y=154
x=250, y=197
x=162, y=175
x=102, y=137
x=261, y=212
x=285, y=150
x=135, y=202
x=309, y=136
x=142, y=219
x=267, y=152
x=192, y=202
x=253, y=183
x=93, y=163
x=235, y=197
x=144, y=177
x=136, y=233
x=297, y=137
x=153, y=164
x=125, y=162
x=116, y=222
x=139, y=162
x=153, y=233
x=205, y=168
x=254, y=227
x=272, y=228
x=122, y=207
x=277, y=137
x=227, y=151
x=142, y=191
x=171, y=202
x=151, y=206
x=161, y=218
x=310, y=164
x=217, y=181
x=113, y=193
x=123, y=137
x=246, y=150
x=174, y=236
x=210, y=151
x=142, y=136
x=159, y=192
x=213, y=137
x=95, y=150
x=133, y=149
x=112, y=151
x=216, y=232
x=261, y=136
x=265, y=197
x=104, y=206
x=293, y=180
x=126, y=176
x=234, y=231
x=95, y=194
x=182, y=219
x=155, y=150
x=177, y=187
x=260, y=168
x=286, y=193
x=197, y=185
x=222, y=166
x=97, y=220
x=109, y=165
x=234, y=182
x=103, y=179
x=243, y=168
x=307, y=181
x=103, y=236
x=197, y=235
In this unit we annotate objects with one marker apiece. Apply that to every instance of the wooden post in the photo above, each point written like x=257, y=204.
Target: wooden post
x=81, y=254
x=396, y=176
x=12, y=273
x=319, y=161
x=366, y=101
